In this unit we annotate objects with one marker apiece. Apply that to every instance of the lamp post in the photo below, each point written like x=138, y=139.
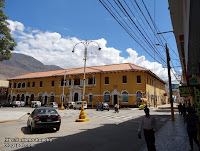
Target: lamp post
x=82, y=116
x=169, y=77
x=62, y=107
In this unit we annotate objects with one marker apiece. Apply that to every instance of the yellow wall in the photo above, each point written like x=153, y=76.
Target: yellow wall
x=115, y=86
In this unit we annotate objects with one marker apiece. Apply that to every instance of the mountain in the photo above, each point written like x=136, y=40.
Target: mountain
x=21, y=64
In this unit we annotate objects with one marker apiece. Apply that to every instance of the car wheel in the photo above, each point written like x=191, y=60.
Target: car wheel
x=80, y=108
x=74, y=108
x=108, y=109
x=57, y=128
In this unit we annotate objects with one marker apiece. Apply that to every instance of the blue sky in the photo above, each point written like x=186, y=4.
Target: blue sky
x=36, y=23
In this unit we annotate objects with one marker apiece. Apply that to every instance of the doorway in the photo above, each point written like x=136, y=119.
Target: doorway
x=75, y=97
x=27, y=97
x=45, y=100
x=115, y=99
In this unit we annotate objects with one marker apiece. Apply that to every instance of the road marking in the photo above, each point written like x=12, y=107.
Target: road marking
x=21, y=135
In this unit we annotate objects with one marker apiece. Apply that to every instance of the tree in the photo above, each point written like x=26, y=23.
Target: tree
x=7, y=43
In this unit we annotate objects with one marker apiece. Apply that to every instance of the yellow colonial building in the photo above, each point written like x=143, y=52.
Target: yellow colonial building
x=124, y=83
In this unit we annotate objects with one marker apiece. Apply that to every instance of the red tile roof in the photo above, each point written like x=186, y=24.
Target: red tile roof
x=95, y=69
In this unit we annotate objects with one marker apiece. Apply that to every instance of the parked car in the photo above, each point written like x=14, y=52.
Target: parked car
x=52, y=104
x=35, y=104
x=103, y=106
x=19, y=103
x=78, y=105
x=69, y=105
x=8, y=104
x=44, y=118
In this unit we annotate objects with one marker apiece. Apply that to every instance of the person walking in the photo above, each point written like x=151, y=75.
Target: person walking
x=192, y=121
x=148, y=124
x=183, y=111
x=179, y=108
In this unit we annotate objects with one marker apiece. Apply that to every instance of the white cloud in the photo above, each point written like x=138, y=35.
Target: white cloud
x=52, y=49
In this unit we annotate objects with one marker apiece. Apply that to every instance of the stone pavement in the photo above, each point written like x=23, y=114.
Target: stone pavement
x=173, y=137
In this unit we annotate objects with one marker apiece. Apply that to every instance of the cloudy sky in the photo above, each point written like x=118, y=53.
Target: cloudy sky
x=41, y=37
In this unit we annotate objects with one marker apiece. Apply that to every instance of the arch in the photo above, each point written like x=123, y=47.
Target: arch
x=22, y=97
x=106, y=96
x=18, y=97
x=76, y=97
x=23, y=84
x=19, y=85
x=90, y=97
x=77, y=80
x=52, y=97
x=40, y=97
x=124, y=96
x=32, y=97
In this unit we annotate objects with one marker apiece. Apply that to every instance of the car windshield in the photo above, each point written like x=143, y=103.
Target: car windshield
x=47, y=111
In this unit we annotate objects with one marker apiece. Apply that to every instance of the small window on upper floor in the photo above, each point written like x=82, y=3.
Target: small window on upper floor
x=41, y=84
x=138, y=79
x=29, y=84
x=19, y=85
x=106, y=80
x=23, y=85
x=33, y=84
x=124, y=79
x=52, y=83
x=15, y=85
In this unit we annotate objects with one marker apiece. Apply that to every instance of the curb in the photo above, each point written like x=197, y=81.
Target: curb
x=20, y=119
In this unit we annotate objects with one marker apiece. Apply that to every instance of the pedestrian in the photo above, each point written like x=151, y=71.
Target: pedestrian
x=179, y=108
x=189, y=107
x=192, y=121
x=96, y=105
x=183, y=111
x=148, y=124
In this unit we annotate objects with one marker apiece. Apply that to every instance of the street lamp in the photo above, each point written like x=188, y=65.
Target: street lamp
x=169, y=77
x=62, y=107
x=82, y=116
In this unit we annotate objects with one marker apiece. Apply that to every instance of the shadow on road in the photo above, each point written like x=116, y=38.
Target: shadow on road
x=26, y=130
x=108, y=137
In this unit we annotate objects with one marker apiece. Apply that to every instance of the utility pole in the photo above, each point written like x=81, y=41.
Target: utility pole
x=170, y=85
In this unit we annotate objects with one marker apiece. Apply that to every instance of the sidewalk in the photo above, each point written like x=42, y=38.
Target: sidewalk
x=173, y=136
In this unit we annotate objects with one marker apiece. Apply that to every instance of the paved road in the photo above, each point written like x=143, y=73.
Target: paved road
x=105, y=130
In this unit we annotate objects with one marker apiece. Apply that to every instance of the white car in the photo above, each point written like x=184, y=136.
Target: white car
x=78, y=105
x=52, y=104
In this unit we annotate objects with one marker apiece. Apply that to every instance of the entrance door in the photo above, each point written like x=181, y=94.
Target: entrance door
x=115, y=99
x=27, y=97
x=75, y=97
x=45, y=100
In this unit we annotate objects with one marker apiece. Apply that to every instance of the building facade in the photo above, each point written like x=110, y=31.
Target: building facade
x=124, y=83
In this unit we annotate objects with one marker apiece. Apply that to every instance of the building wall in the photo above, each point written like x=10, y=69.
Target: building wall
x=114, y=88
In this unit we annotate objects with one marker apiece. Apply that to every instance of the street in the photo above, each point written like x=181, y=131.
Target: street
x=105, y=130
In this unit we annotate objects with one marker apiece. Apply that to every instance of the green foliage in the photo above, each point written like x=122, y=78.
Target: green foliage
x=7, y=43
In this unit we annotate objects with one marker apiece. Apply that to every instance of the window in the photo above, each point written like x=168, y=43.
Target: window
x=10, y=85
x=91, y=80
x=32, y=97
x=52, y=83
x=139, y=94
x=15, y=85
x=33, y=84
x=107, y=97
x=90, y=98
x=19, y=85
x=40, y=83
x=124, y=79
x=52, y=97
x=106, y=80
x=138, y=79
x=23, y=85
x=77, y=81
x=70, y=82
x=124, y=96
x=40, y=97
x=28, y=85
